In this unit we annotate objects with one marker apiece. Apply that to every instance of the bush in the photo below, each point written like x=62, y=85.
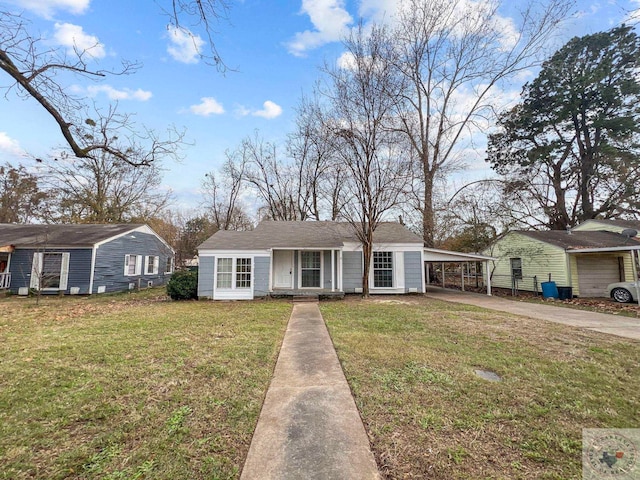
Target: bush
x=183, y=285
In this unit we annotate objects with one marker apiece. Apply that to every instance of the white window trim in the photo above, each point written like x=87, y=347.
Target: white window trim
x=397, y=272
x=138, y=267
x=156, y=264
x=300, y=287
x=234, y=270
x=38, y=264
x=169, y=262
x=393, y=269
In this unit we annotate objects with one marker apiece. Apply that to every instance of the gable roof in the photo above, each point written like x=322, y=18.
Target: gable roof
x=624, y=224
x=61, y=235
x=290, y=235
x=580, y=240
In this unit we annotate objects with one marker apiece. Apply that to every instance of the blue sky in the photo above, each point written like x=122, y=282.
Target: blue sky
x=274, y=49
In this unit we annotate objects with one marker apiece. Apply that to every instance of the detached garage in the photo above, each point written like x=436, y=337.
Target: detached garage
x=585, y=261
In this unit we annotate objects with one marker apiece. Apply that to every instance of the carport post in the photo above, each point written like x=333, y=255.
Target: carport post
x=488, y=273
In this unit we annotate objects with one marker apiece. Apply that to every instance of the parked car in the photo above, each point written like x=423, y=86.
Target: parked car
x=623, y=292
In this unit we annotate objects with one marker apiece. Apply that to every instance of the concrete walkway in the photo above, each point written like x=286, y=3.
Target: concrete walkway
x=600, y=322
x=309, y=427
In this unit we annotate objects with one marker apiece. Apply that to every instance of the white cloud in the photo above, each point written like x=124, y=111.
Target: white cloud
x=207, y=106
x=242, y=111
x=330, y=20
x=270, y=110
x=10, y=146
x=74, y=38
x=346, y=61
x=124, y=94
x=46, y=8
x=185, y=46
x=379, y=11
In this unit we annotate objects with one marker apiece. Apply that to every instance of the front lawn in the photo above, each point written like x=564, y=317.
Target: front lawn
x=132, y=386
x=410, y=363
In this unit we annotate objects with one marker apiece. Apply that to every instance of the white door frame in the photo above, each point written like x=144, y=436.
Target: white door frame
x=275, y=269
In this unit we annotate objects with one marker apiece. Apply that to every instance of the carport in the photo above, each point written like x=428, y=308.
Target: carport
x=434, y=255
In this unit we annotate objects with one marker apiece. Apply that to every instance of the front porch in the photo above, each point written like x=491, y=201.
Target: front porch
x=320, y=293
x=5, y=281
x=299, y=272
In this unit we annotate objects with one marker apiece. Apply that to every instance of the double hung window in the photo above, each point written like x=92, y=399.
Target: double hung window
x=383, y=269
x=233, y=273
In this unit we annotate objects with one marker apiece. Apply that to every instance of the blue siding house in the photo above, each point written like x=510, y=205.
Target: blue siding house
x=296, y=258
x=82, y=259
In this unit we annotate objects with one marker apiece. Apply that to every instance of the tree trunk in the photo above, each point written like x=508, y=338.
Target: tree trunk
x=428, y=215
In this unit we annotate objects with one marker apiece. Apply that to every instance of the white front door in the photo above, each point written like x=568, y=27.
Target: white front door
x=282, y=269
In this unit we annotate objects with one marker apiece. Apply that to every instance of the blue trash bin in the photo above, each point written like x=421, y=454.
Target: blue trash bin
x=549, y=290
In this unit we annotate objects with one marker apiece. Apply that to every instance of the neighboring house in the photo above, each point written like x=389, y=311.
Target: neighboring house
x=286, y=258
x=585, y=259
x=82, y=259
x=617, y=226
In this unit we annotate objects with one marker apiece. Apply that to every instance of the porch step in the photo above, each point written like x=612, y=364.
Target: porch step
x=305, y=298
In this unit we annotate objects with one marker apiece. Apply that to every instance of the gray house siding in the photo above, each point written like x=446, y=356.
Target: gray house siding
x=413, y=271
x=79, y=268
x=261, y=276
x=205, y=277
x=351, y=271
x=109, y=267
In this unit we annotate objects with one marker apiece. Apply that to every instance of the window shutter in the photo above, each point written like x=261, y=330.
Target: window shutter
x=64, y=271
x=138, y=264
x=126, y=265
x=156, y=264
x=146, y=265
x=36, y=270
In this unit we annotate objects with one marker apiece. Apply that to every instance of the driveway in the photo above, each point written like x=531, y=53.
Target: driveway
x=599, y=322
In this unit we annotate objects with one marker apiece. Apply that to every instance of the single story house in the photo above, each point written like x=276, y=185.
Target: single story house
x=586, y=259
x=82, y=258
x=286, y=258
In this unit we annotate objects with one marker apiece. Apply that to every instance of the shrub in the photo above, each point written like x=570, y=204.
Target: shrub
x=183, y=285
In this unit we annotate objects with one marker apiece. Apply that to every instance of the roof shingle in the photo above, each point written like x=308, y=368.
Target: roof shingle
x=60, y=235
x=300, y=235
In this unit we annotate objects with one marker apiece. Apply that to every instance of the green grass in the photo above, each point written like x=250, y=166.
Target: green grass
x=410, y=365
x=132, y=386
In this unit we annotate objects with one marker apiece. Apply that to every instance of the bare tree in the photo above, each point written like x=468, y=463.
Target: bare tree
x=454, y=55
x=37, y=72
x=186, y=15
x=222, y=197
x=362, y=101
x=274, y=180
x=320, y=174
x=102, y=188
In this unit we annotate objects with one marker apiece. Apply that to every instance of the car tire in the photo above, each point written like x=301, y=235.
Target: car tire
x=621, y=295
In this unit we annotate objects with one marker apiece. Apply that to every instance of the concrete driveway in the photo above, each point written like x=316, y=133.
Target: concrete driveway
x=599, y=322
